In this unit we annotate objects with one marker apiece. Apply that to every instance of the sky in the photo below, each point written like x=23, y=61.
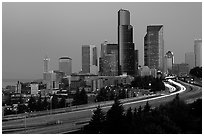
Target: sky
x=30, y=31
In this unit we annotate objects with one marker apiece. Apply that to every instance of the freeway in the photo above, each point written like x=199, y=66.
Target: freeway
x=68, y=121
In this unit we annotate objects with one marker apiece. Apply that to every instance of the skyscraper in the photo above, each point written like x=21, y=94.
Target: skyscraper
x=136, y=61
x=154, y=47
x=190, y=59
x=89, y=59
x=108, y=64
x=126, y=63
x=198, y=52
x=65, y=65
x=168, y=62
x=46, y=61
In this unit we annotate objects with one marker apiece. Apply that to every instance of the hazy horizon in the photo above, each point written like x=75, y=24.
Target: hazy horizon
x=30, y=31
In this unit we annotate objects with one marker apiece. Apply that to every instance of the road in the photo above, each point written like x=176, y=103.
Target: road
x=69, y=121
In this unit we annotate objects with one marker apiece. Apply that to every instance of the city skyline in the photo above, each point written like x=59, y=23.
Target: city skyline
x=24, y=45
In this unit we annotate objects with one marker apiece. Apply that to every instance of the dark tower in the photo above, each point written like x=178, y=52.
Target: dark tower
x=154, y=47
x=126, y=62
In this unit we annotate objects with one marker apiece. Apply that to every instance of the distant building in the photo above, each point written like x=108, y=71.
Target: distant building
x=190, y=59
x=18, y=87
x=180, y=69
x=126, y=63
x=34, y=89
x=65, y=65
x=198, y=52
x=108, y=62
x=146, y=71
x=46, y=61
x=89, y=59
x=154, y=47
x=168, y=62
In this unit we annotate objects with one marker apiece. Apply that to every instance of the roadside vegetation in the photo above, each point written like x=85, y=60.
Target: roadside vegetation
x=175, y=117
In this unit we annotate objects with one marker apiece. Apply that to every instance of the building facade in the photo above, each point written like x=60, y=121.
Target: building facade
x=126, y=63
x=180, y=69
x=89, y=59
x=198, y=52
x=136, y=61
x=190, y=59
x=108, y=63
x=168, y=62
x=65, y=65
x=46, y=61
x=154, y=47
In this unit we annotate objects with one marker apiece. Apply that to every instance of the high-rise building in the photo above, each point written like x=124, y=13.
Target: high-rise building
x=46, y=61
x=198, y=52
x=108, y=63
x=136, y=61
x=65, y=65
x=89, y=59
x=104, y=48
x=168, y=62
x=190, y=59
x=154, y=47
x=126, y=63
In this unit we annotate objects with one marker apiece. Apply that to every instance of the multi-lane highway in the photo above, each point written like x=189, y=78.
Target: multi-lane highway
x=68, y=121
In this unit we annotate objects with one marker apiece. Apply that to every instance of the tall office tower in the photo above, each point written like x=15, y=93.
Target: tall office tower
x=126, y=63
x=154, y=47
x=190, y=59
x=198, y=52
x=89, y=59
x=46, y=61
x=136, y=61
x=65, y=65
x=108, y=64
x=168, y=62
x=104, y=48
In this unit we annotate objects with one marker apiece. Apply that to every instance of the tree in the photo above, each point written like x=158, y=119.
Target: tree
x=39, y=104
x=102, y=95
x=76, y=98
x=62, y=102
x=196, y=71
x=45, y=104
x=80, y=97
x=54, y=102
x=122, y=94
x=32, y=104
x=22, y=108
x=147, y=107
x=129, y=115
x=115, y=119
x=83, y=97
x=97, y=121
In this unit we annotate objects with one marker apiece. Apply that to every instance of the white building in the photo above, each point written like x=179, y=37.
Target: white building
x=34, y=89
x=89, y=59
